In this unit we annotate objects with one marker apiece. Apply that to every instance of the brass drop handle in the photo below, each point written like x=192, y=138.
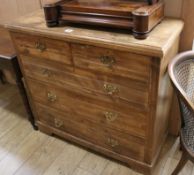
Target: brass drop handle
x=58, y=123
x=108, y=60
x=51, y=97
x=110, y=89
x=40, y=46
x=110, y=116
x=112, y=142
x=47, y=72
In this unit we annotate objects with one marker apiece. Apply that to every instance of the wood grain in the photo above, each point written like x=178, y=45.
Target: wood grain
x=133, y=124
x=135, y=92
x=80, y=126
x=34, y=46
x=155, y=45
x=43, y=158
x=172, y=8
x=6, y=46
x=7, y=53
x=137, y=17
x=25, y=149
x=80, y=171
x=123, y=63
x=70, y=103
x=93, y=163
x=67, y=162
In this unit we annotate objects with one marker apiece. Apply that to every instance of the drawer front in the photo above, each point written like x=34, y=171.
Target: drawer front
x=107, y=138
x=119, y=88
x=110, y=116
x=111, y=61
x=40, y=47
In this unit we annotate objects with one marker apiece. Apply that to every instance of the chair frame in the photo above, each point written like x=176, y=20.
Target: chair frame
x=187, y=154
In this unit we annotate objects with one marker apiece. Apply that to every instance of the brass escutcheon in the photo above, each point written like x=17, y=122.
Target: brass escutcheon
x=58, y=123
x=108, y=60
x=112, y=142
x=111, y=89
x=40, y=46
x=110, y=116
x=47, y=72
x=51, y=97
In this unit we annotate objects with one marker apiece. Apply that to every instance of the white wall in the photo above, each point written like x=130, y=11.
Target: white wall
x=10, y=9
x=173, y=8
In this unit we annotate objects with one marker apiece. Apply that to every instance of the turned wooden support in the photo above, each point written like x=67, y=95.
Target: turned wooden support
x=51, y=15
x=151, y=2
x=142, y=20
x=145, y=20
x=140, y=29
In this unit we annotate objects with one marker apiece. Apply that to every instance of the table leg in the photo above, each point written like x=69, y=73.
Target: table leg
x=1, y=77
x=23, y=92
x=26, y=104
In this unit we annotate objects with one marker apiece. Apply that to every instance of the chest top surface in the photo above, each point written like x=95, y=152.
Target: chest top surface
x=157, y=44
x=6, y=47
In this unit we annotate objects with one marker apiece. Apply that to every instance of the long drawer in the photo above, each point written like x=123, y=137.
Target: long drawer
x=80, y=127
x=43, y=48
x=135, y=92
x=72, y=101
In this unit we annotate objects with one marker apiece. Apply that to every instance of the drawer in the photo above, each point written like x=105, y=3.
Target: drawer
x=121, y=143
x=119, y=88
x=40, y=47
x=111, y=116
x=43, y=69
x=111, y=61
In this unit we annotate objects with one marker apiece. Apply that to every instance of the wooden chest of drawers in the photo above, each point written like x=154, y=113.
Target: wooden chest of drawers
x=103, y=90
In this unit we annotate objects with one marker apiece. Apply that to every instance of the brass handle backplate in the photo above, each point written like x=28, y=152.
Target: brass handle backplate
x=47, y=72
x=40, y=46
x=112, y=142
x=108, y=60
x=51, y=97
x=110, y=116
x=111, y=89
x=58, y=123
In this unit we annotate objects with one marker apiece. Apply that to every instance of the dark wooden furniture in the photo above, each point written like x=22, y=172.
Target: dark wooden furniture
x=1, y=76
x=103, y=90
x=8, y=61
x=181, y=71
x=139, y=16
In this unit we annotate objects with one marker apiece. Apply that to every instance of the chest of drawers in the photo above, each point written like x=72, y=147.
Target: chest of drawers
x=102, y=90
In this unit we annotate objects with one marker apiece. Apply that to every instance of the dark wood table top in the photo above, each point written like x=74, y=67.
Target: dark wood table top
x=7, y=50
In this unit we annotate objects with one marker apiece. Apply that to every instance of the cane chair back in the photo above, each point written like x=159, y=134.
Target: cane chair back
x=181, y=71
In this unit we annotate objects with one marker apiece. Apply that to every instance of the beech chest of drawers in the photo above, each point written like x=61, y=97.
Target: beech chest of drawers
x=103, y=90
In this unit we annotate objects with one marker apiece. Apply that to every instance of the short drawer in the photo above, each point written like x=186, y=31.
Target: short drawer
x=118, y=142
x=111, y=116
x=112, y=61
x=41, y=47
x=115, y=87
